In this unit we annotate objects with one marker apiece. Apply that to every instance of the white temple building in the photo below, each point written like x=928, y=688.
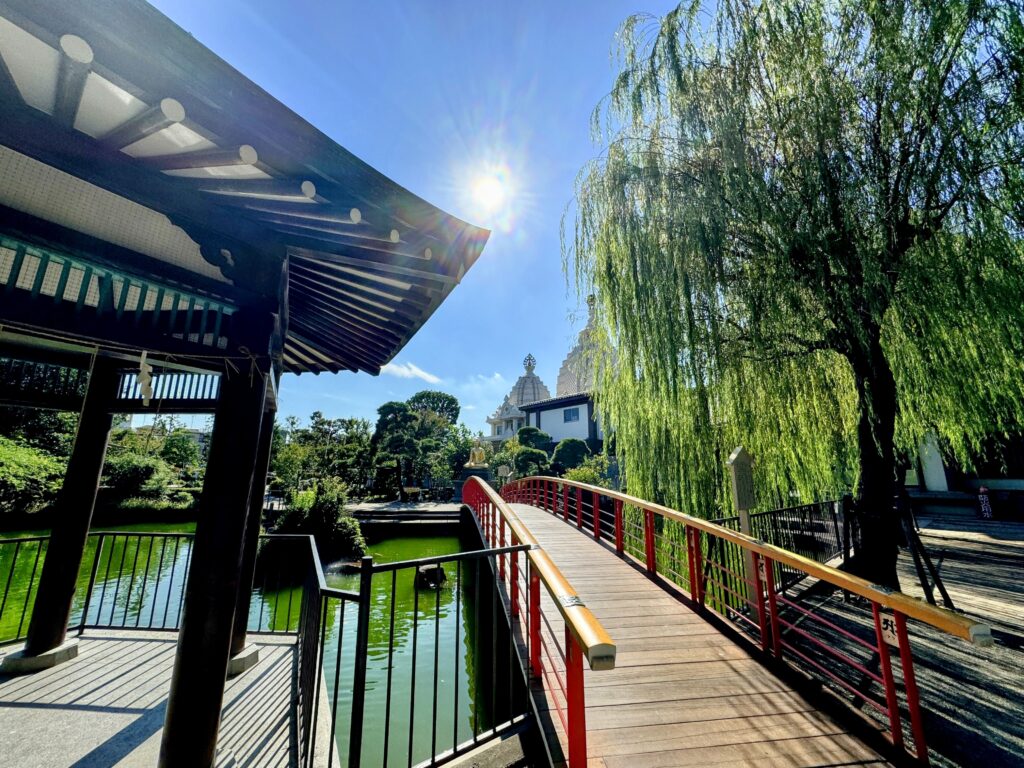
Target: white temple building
x=570, y=413
x=509, y=417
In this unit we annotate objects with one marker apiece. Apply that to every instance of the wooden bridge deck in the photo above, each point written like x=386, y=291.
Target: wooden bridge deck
x=682, y=693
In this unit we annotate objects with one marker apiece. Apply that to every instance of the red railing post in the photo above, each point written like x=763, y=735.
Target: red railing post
x=501, y=543
x=910, y=685
x=534, y=620
x=773, y=607
x=652, y=566
x=698, y=566
x=513, y=578
x=565, y=501
x=579, y=509
x=597, y=516
x=575, y=702
x=890, y=684
x=762, y=620
x=618, y=526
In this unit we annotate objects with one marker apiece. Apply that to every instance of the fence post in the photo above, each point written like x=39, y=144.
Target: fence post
x=762, y=620
x=597, y=515
x=910, y=685
x=575, y=703
x=618, y=526
x=92, y=582
x=652, y=566
x=513, y=578
x=501, y=543
x=534, y=619
x=565, y=501
x=579, y=509
x=355, y=740
x=698, y=566
x=773, y=606
x=887, y=677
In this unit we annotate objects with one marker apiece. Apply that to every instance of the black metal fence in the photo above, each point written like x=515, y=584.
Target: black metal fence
x=812, y=530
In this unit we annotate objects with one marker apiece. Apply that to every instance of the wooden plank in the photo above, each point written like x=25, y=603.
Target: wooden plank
x=682, y=693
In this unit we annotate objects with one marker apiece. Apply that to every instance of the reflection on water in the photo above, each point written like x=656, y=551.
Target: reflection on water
x=432, y=637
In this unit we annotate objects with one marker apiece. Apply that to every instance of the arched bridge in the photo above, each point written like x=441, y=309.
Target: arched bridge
x=665, y=640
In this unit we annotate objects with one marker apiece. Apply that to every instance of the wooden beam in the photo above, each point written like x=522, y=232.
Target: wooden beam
x=321, y=285
x=8, y=88
x=75, y=65
x=362, y=285
x=164, y=113
x=319, y=249
x=426, y=259
x=33, y=133
x=206, y=158
x=387, y=334
x=344, y=351
x=426, y=285
x=227, y=188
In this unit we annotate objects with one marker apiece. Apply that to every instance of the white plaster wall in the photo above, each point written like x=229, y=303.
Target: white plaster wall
x=934, y=474
x=553, y=423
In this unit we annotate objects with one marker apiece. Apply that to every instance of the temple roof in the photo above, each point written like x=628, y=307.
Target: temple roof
x=528, y=389
x=117, y=123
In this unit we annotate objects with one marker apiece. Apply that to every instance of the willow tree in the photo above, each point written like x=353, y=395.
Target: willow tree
x=805, y=236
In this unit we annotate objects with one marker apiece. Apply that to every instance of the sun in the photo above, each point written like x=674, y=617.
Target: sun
x=490, y=191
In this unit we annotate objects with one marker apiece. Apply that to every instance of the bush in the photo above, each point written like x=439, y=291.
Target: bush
x=569, y=454
x=531, y=461
x=29, y=477
x=321, y=513
x=176, y=502
x=593, y=470
x=134, y=474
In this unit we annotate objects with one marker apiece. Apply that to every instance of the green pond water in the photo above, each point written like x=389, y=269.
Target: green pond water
x=429, y=627
x=140, y=583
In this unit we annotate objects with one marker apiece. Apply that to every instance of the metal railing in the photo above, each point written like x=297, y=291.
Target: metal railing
x=743, y=578
x=137, y=581
x=555, y=658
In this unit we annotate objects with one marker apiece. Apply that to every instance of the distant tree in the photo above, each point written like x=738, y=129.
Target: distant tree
x=132, y=474
x=805, y=237
x=594, y=471
x=180, y=450
x=395, y=445
x=533, y=438
x=569, y=454
x=441, y=403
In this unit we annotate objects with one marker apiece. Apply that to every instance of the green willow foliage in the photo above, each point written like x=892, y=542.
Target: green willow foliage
x=805, y=237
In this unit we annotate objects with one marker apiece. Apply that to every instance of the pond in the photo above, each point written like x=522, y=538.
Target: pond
x=431, y=634
x=407, y=718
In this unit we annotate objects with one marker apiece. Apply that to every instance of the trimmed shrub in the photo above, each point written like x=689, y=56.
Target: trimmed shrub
x=569, y=454
x=531, y=461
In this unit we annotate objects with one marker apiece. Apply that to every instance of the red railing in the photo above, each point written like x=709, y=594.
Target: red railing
x=554, y=657
x=739, y=577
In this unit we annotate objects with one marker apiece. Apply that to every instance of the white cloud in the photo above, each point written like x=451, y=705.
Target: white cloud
x=409, y=371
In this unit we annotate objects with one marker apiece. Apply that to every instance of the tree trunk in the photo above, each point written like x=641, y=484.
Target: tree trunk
x=875, y=559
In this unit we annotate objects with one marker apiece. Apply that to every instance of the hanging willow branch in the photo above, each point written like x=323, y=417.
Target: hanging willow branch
x=805, y=237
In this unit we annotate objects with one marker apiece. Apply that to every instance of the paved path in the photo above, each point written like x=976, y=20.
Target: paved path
x=682, y=693
x=106, y=707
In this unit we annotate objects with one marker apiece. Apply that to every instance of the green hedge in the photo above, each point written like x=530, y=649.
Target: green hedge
x=29, y=477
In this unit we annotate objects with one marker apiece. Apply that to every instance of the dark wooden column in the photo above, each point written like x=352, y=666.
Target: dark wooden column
x=252, y=533
x=204, y=642
x=73, y=513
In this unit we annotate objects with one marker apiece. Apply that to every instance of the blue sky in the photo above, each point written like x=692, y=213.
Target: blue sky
x=440, y=95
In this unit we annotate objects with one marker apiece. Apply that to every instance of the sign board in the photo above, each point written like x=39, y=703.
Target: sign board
x=888, y=622
x=741, y=470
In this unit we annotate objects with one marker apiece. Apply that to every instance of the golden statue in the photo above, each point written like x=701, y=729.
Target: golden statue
x=477, y=457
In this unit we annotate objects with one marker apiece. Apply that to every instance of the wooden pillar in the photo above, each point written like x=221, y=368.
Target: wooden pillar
x=252, y=533
x=204, y=642
x=73, y=513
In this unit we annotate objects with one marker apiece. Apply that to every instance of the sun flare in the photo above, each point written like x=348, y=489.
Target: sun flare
x=489, y=191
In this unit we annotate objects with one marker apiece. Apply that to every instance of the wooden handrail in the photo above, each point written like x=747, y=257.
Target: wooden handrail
x=596, y=644
x=940, y=618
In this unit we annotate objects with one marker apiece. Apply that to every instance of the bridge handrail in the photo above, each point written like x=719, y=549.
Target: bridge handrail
x=940, y=618
x=595, y=642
